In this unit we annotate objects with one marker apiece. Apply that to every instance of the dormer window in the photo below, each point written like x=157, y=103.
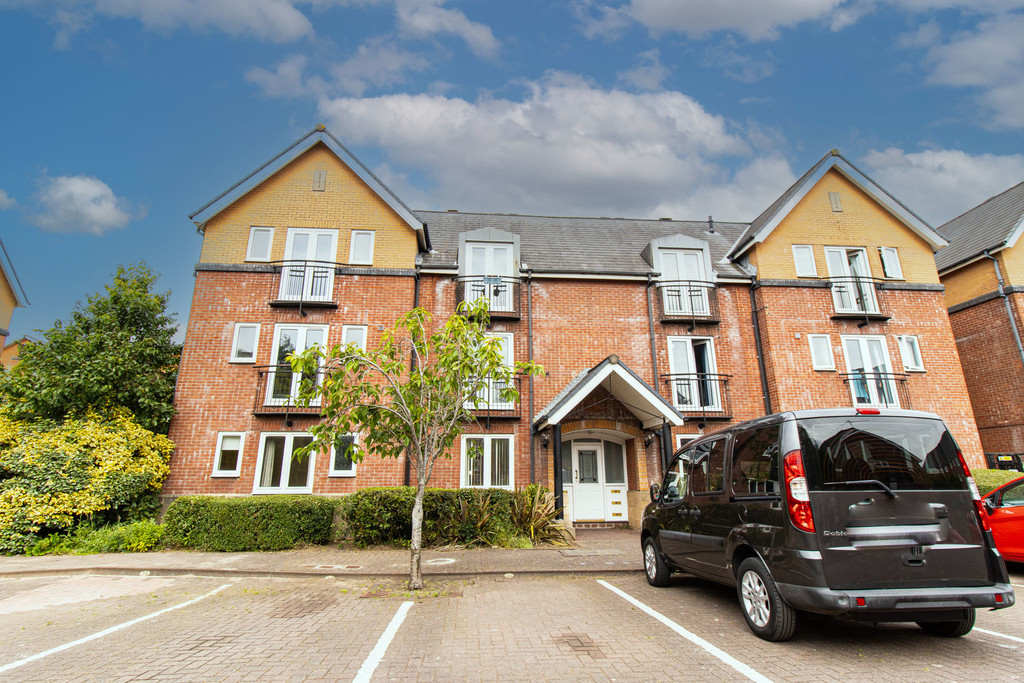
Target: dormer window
x=489, y=269
x=684, y=281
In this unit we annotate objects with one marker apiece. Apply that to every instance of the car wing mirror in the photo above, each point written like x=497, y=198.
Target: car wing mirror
x=989, y=505
x=655, y=493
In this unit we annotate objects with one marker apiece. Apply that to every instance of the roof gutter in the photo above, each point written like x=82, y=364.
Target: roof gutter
x=1006, y=302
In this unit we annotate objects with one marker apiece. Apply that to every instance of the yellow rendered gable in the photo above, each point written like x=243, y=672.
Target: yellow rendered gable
x=973, y=280
x=8, y=302
x=1011, y=261
x=861, y=223
x=287, y=200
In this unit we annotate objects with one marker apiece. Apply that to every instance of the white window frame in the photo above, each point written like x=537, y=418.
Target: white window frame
x=811, y=269
x=688, y=266
x=855, y=293
x=867, y=393
x=491, y=391
x=345, y=329
x=249, y=256
x=269, y=399
x=352, y=256
x=217, y=471
x=816, y=363
x=234, y=344
x=333, y=472
x=693, y=386
x=685, y=440
x=892, y=269
x=302, y=280
x=286, y=465
x=494, y=278
x=488, y=438
x=910, y=352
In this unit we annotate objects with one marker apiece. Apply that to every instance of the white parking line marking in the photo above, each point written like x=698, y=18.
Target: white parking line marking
x=106, y=632
x=377, y=653
x=692, y=637
x=1017, y=585
x=1000, y=635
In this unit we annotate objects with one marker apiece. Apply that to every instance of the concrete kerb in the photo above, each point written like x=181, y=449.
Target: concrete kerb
x=259, y=574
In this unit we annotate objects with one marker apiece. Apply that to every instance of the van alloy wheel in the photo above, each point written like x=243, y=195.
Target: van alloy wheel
x=755, y=599
x=654, y=567
x=767, y=614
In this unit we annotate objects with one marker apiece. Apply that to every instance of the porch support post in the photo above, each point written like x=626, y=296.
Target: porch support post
x=666, y=447
x=556, y=438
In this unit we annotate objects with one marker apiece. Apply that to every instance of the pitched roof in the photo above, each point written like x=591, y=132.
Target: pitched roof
x=21, y=299
x=763, y=225
x=992, y=225
x=319, y=135
x=555, y=244
x=621, y=382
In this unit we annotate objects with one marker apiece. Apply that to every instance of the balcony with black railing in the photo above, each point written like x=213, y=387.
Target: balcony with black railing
x=305, y=284
x=703, y=395
x=489, y=402
x=877, y=389
x=858, y=298
x=688, y=301
x=501, y=292
x=277, y=392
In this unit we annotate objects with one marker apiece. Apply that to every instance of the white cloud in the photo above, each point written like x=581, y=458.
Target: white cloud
x=81, y=204
x=566, y=147
x=426, y=18
x=648, y=74
x=737, y=66
x=378, y=63
x=286, y=80
x=940, y=184
x=6, y=201
x=756, y=20
x=68, y=23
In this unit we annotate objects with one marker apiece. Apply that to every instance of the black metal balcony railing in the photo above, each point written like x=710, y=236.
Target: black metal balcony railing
x=277, y=391
x=703, y=394
x=694, y=301
x=491, y=404
x=305, y=283
x=502, y=293
x=858, y=298
x=877, y=389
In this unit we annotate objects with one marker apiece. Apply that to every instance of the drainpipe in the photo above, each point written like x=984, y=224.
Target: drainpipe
x=666, y=446
x=1009, y=309
x=556, y=450
x=529, y=353
x=762, y=370
x=412, y=358
x=650, y=331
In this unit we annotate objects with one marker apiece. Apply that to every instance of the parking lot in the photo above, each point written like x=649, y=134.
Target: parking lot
x=584, y=627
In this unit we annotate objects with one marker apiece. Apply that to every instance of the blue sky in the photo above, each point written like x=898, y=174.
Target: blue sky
x=121, y=117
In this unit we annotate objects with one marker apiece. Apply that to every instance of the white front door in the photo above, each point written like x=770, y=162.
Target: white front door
x=588, y=481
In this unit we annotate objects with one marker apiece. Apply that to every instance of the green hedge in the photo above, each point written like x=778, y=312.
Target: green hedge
x=989, y=480
x=450, y=516
x=251, y=523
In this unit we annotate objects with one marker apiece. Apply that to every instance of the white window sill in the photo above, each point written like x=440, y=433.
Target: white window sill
x=226, y=475
x=342, y=475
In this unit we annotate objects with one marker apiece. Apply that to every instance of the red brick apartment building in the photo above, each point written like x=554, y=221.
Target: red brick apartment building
x=983, y=272
x=650, y=331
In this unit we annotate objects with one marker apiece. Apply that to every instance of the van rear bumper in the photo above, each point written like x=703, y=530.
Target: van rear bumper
x=890, y=603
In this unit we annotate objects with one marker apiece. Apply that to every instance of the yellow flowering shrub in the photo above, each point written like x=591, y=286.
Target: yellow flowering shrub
x=53, y=474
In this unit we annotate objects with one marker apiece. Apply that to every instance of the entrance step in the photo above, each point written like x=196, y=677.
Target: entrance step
x=601, y=525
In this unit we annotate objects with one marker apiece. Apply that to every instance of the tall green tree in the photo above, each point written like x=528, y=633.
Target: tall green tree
x=413, y=394
x=118, y=350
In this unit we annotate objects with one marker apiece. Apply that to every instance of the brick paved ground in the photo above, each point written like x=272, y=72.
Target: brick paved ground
x=490, y=628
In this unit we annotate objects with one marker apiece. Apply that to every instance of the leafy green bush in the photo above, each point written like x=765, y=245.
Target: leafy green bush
x=989, y=480
x=252, y=523
x=132, y=537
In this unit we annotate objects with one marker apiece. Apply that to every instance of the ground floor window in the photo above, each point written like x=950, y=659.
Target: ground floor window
x=487, y=461
x=227, y=460
x=342, y=464
x=279, y=469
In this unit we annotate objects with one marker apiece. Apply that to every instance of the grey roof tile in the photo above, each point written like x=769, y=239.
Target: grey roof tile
x=985, y=227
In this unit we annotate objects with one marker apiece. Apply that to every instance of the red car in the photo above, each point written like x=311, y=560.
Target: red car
x=1005, y=507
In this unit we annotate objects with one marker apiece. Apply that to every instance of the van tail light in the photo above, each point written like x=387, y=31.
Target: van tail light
x=797, y=496
x=975, y=495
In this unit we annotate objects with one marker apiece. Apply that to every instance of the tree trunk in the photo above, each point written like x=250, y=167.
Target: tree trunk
x=416, y=543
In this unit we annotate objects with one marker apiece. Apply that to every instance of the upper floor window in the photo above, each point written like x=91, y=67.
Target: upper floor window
x=891, y=267
x=308, y=274
x=260, y=242
x=354, y=334
x=361, y=249
x=910, y=352
x=243, y=344
x=803, y=259
x=489, y=274
x=872, y=382
x=852, y=288
x=283, y=384
x=821, y=352
x=685, y=281
x=694, y=377
x=490, y=393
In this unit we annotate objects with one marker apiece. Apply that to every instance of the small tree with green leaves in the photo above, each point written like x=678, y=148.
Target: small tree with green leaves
x=411, y=395
x=118, y=350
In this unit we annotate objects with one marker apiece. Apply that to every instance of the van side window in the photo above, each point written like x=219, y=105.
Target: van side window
x=755, y=461
x=674, y=487
x=708, y=464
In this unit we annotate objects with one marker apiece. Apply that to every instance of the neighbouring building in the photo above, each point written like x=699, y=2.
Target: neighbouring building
x=11, y=294
x=983, y=272
x=9, y=354
x=651, y=332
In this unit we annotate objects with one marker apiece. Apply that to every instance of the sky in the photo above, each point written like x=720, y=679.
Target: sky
x=119, y=118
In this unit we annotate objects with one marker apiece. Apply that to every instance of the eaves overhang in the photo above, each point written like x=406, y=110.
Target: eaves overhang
x=21, y=299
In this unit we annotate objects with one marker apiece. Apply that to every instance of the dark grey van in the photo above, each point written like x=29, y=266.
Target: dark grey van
x=862, y=513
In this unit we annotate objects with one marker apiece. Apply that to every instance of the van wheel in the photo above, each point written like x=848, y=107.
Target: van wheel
x=767, y=614
x=950, y=629
x=655, y=567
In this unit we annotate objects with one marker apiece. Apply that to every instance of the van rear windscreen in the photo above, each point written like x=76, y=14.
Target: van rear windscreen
x=901, y=453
